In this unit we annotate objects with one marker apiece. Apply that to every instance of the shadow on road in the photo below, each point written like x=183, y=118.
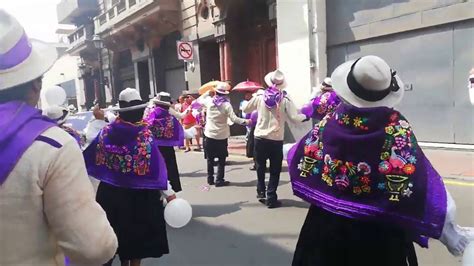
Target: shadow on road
x=216, y=210
x=253, y=183
x=294, y=203
x=238, y=162
x=197, y=173
x=202, y=244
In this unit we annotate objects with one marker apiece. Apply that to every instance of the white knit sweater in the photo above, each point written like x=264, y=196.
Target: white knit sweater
x=47, y=207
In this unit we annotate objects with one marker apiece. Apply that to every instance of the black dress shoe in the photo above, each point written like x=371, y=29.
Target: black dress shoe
x=261, y=195
x=272, y=204
x=222, y=183
x=211, y=182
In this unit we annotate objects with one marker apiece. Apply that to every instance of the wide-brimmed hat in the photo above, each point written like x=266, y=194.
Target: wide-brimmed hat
x=327, y=82
x=129, y=100
x=163, y=98
x=222, y=88
x=368, y=82
x=57, y=113
x=276, y=78
x=21, y=59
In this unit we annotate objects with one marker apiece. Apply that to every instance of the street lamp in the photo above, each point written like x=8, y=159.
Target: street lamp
x=99, y=44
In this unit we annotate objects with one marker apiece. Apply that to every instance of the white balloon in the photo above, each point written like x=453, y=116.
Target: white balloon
x=286, y=149
x=178, y=213
x=54, y=95
x=468, y=257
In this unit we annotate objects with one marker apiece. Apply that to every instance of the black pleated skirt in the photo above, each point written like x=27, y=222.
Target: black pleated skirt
x=171, y=166
x=137, y=217
x=327, y=239
x=216, y=148
x=250, y=143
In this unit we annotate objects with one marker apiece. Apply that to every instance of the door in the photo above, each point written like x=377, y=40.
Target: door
x=144, y=79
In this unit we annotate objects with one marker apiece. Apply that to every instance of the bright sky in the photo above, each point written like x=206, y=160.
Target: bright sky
x=38, y=17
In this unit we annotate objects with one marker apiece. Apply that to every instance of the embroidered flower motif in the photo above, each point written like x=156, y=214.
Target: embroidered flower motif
x=381, y=186
x=409, y=169
x=365, y=180
x=389, y=130
x=357, y=190
x=366, y=188
x=402, y=132
x=364, y=168
x=345, y=119
x=315, y=170
x=404, y=124
x=385, y=167
x=357, y=121
x=394, y=117
x=407, y=192
x=327, y=159
x=384, y=156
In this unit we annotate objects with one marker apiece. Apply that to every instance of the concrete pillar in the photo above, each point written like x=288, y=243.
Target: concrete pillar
x=317, y=47
x=151, y=76
x=293, y=35
x=137, y=80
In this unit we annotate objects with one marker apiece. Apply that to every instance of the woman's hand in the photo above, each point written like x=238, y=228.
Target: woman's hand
x=170, y=198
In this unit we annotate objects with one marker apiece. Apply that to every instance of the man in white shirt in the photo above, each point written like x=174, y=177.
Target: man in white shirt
x=217, y=131
x=47, y=203
x=273, y=107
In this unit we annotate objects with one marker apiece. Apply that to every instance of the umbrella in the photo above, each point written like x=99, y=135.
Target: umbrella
x=208, y=86
x=247, y=86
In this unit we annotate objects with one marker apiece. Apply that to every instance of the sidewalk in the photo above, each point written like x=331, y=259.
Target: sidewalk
x=451, y=164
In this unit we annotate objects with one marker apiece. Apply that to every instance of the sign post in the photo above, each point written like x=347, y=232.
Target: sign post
x=185, y=50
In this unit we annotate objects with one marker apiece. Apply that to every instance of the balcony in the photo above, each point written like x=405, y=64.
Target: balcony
x=80, y=41
x=124, y=10
x=76, y=11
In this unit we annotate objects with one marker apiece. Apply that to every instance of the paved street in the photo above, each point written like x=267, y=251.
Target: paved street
x=230, y=227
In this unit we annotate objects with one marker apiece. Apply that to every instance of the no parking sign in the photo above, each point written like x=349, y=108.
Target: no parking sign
x=185, y=50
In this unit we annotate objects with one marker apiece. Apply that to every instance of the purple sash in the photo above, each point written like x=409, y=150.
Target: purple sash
x=219, y=100
x=273, y=97
x=165, y=128
x=20, y=125
x=365, y=163
x=125, y=155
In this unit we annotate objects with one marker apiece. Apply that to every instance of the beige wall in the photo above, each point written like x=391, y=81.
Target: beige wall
x=358, y=20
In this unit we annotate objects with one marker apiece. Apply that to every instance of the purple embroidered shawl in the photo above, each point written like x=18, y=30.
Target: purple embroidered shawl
x=165, y=128
x=324, y=104
x=125, y=155
x=365, y=163
x=219, y=100
x=273, y=96
x=20, y=125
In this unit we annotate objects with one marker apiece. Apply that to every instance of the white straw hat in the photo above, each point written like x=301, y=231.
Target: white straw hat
x=368, y=82
x=163, y=98
x=222, y=88
x=21, y=59
x=126, y=97
x=276, y=78
x=57, y=113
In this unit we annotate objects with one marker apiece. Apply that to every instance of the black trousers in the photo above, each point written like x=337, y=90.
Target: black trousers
x=216, y=148
x=220, y=169
x=272, y=150
x=171, y=166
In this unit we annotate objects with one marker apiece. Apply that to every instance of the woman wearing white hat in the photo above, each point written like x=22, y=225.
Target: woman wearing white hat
x=126, y=160
x=273, y=106
x=217, y=130
x=373, y=191
x=47, y=200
